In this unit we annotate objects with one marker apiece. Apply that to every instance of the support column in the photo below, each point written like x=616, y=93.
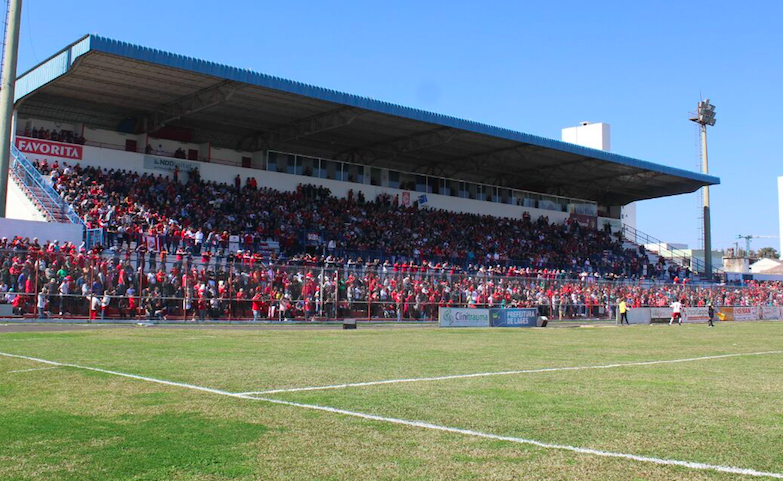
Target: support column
x=706, y=196
x=7, y=95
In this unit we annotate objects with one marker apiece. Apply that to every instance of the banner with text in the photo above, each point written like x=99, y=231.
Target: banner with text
x=770, y=312
x=746, y=313
x=461, y=317
x=527, y=317
x=695, y=314
x=661, y=312
x=46, y=148
x=168, y=164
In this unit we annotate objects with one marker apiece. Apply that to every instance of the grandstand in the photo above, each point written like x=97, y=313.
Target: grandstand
x=117, y=105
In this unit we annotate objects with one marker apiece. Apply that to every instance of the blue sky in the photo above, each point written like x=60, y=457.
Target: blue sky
x=533, y=66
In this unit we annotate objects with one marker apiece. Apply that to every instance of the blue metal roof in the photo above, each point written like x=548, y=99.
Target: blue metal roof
x=60, y=63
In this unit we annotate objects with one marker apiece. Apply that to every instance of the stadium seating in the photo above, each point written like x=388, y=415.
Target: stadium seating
x=200, y=214
x=64, y=280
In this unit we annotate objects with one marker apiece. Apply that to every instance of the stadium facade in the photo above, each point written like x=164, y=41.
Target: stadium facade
x=151, y=111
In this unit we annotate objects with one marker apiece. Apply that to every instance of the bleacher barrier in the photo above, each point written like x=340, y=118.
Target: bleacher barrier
x=54, y=207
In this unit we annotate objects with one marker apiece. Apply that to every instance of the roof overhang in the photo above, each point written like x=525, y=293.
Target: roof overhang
x=103, y=82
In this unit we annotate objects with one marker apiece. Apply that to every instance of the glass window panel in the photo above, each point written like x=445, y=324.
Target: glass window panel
x=306, y=166
x=375, y=176
x=394, y=179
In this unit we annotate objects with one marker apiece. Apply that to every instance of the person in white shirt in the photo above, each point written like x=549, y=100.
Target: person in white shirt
x=105, y=301
x=676, y=314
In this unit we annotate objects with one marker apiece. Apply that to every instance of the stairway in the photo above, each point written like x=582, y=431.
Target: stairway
x=53, y=210
x=633, y=237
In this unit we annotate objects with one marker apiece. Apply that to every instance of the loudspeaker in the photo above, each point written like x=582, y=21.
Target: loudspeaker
x=349, y=324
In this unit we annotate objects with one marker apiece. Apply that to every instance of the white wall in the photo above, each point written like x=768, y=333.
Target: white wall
x=113, y=138
x=121, y=160
x=45, y=231
x=594, y=136
x=19, y=206
x=780, y=215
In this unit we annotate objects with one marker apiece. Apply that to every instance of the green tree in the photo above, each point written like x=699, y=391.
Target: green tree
x=768, y=253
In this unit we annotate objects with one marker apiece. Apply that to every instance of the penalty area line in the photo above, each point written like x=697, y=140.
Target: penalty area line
x=506, y=373
x=423, y=425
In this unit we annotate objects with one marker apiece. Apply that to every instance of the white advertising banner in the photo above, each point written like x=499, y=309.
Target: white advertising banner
x=461, y=317
x=746, y=313
x=661, y=312
x=770, y=312
x=233, y=243
x=695, y=314
x=639, y=315
x=169, y=164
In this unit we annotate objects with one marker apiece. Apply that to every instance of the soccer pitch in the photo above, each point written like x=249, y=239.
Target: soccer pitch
x=641, y=402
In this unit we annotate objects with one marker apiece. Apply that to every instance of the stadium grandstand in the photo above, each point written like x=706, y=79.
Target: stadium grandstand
x=179, y=187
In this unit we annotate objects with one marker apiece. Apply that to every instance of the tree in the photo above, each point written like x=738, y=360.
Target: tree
x=768, y=253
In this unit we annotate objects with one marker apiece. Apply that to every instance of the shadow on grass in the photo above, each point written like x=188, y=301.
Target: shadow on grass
x=52, y=445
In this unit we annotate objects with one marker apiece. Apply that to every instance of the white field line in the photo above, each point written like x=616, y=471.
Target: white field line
x=506, y=373
x=425, y=425
x=34, y=369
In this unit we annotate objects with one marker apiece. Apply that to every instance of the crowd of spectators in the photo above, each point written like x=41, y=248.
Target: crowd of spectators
x=67, y=136
x=54, y=279
x=197, y=214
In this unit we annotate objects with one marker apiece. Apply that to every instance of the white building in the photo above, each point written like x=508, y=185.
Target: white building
x=780, y=214
x=598, y=136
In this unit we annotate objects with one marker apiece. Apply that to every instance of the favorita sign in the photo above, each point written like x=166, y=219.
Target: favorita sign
x=48, y=148
x=459, y=317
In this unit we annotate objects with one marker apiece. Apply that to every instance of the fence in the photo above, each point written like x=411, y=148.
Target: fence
x=153, y=285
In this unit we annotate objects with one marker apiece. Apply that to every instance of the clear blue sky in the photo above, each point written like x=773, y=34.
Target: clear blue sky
x=533, y=66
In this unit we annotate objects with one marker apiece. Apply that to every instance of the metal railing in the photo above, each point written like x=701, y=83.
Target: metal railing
x=696, y=265
x=45, y=196
x=32, y=180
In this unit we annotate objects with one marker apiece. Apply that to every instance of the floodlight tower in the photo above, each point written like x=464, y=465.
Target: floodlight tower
x=704, y=117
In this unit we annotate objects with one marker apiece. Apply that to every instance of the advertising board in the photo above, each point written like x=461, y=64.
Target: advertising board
x=639, y=315
x=168, y=164
x=661, y=312
x=461, y=317
x=770, y=312
x=746, y=313
x=47, y=148
x=527, y=317
x=695, y=314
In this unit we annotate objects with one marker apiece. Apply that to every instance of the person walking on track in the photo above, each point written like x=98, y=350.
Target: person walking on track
x=623, y=312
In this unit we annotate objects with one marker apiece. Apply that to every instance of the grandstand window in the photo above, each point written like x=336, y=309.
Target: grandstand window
x=421, y=184
x=464, y=190
x=331, y=170
x=353, y=173
x=530, y=200
x=271, y=161
x=452, y=187
x=394, y=179
x=504, y=196
x=375, y=176
x=306, y=166
x=436, y=185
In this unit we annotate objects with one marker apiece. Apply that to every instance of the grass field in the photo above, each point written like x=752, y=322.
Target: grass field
x=69, y=423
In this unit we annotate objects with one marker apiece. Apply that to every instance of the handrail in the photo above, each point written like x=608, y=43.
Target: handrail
x=696, y=265
x=32, y=176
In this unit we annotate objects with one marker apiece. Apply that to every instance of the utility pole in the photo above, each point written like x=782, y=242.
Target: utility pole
x=7, y=94
x=705, y=117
